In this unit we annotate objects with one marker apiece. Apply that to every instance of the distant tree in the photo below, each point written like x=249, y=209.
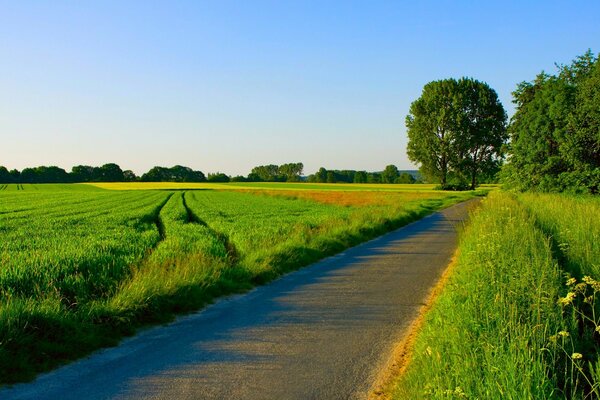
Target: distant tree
x=321, y=175
x=129, y=176
x=390, y=174
x=5, y=175
x=177, y=173
x=218, y=177
x=330, y=177
x=267, y=173
x=404, y=178
x=456, y=126
x=360, y=177
x=239, y=178
x=291, y=171
x=373, y=177
x=111, y=173
x=15, y=175
x=253, y=177
x=156, y=174
x=85, y=173
x=44, y=174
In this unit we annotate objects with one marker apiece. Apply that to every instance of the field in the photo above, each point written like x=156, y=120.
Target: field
x=83, y=266
x=519, y=317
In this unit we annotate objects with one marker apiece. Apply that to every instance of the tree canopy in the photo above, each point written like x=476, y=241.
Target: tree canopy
x=555, y=131
x=456, y=130
x=290, y=172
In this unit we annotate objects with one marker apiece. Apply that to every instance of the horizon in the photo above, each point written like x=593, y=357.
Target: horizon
x=224, y=87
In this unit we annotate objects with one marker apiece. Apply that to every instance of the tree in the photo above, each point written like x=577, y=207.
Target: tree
x=456, y=127
x=111, y=173
x=218, y=177
x=85, y=173
x=129, y=176
x=5, y=175
x=360, y=177
x=482, y=131
x=267, y=173
x=321, y=175
x=330, y=177
x=291, y=171
x=555, y=131
x=177, y=173
x=405, y=177
x=44, y=174
x=390, y=174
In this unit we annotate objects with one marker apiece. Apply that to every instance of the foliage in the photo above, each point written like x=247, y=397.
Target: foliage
x=218, y=177
x=405, y=178
x=177, y=173
x=555, y=131
x=290, y=172
x=456, y=126
x=390, y=174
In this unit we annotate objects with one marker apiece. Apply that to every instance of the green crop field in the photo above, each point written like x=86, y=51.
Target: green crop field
x=81, y=266
x=519, y=317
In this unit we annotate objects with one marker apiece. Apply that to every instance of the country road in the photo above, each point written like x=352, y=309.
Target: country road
x=322, y=332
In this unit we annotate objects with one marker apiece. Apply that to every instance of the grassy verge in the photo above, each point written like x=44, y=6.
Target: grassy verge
x=511, y=322
x=487, y=333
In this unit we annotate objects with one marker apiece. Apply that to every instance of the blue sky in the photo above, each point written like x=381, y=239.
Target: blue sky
x=227, y=85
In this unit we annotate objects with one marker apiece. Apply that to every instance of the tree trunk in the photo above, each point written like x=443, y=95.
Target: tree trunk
x=444, y=171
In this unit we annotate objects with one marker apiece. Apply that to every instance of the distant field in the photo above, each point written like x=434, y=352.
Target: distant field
x=44, y=187
x=261, y=185
x=81, y=266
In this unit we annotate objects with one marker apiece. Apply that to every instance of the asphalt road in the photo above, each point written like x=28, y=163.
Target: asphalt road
x=322, y=332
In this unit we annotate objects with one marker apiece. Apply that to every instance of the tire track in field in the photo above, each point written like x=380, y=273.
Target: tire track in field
x=232, y=253
x=323, y=332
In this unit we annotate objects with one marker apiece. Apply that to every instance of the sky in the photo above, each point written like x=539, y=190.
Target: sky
x=228, y=85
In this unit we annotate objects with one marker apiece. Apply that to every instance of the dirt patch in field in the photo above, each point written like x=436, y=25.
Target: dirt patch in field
x=351, y=198
x=401, y=355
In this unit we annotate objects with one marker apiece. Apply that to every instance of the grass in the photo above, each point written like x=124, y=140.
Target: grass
x=82, y=268
x=505, y=326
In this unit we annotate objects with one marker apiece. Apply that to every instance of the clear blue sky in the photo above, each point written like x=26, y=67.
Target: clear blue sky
x=227, y=85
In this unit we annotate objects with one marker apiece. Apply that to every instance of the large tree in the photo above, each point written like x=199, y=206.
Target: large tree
x=456, y=127
x=555, y=131
x=390, y=174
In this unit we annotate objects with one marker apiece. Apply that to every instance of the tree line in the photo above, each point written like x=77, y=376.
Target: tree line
x=459, y=136
x=106, y=173
x=290, y=172
x=390, y=174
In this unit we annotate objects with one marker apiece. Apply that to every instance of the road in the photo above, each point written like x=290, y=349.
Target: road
x=322, y=332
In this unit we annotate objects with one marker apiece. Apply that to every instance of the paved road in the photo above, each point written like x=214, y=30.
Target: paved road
x=319, y=333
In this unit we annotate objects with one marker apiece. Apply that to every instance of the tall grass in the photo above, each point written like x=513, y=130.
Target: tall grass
x=520, y=317
x=488, y=334
x=573, y=222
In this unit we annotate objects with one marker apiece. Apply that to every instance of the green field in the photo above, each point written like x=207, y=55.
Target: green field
x=81, y=266
x=519, y=317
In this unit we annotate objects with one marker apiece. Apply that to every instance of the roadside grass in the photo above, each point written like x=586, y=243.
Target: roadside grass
x=487, y=334
x=82, y=269
x=573, y=223
x=511, y=321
